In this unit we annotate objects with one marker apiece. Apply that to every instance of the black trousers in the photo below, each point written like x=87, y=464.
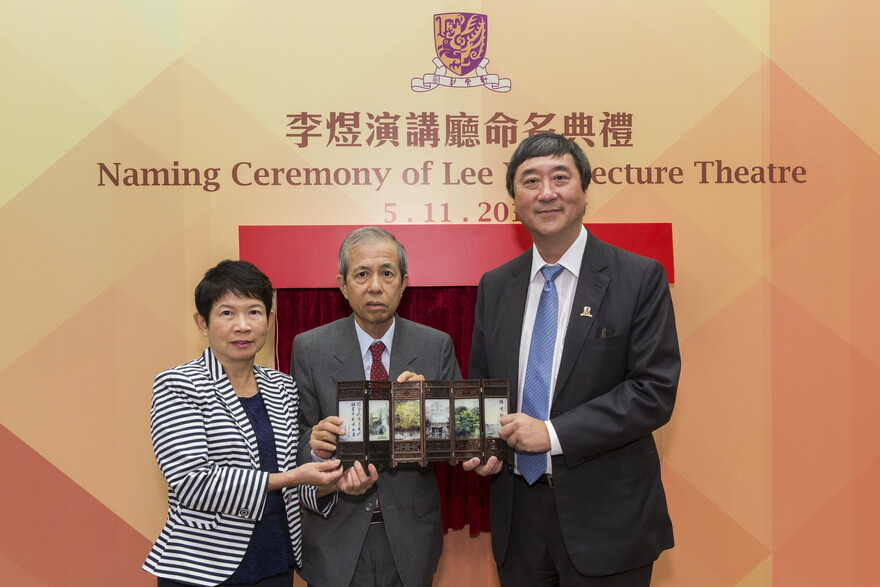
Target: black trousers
x=282, y=580
x=536, y=554
x=375, y=566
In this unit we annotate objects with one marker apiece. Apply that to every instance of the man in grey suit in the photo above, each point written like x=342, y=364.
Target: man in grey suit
x=386, y=528
x=593, y=373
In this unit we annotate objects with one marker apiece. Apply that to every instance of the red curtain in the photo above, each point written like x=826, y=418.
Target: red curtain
x=464, y=496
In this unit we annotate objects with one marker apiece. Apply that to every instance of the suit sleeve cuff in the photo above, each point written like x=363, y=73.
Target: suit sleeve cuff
x=323, y=506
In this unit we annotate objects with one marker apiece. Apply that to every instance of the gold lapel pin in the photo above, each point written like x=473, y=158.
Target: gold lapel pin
x=586, y=313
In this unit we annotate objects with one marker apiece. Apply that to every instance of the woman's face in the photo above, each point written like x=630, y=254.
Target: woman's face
x=236, y=329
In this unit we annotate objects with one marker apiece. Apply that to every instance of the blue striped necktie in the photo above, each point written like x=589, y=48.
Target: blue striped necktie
x=536, y=390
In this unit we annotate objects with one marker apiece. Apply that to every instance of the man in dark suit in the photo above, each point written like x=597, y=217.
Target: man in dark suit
x=385, y=528
x=583, y=503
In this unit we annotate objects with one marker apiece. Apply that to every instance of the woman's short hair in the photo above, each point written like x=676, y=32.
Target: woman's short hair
x=240, y=278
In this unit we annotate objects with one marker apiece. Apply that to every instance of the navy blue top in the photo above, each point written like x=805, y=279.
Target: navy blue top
x=269, y=551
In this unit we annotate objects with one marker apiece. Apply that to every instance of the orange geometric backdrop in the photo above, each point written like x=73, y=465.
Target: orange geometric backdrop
x=772, y=458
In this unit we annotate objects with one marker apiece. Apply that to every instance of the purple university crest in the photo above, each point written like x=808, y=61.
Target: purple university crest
x=460, y=40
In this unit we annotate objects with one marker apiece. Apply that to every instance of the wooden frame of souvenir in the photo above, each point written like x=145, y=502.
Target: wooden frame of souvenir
x=350, y=399
x=496, y=403
x=467, y=420
x=437, y=402
x=422, y=421
x=407, y=423
x=378, y=423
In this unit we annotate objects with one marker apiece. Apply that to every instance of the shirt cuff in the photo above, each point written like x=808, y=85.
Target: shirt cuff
x=555, y=447
x=317, y=459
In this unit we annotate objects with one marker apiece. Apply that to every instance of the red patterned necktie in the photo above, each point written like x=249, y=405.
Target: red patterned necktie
x=378, y=373
x=377, y=370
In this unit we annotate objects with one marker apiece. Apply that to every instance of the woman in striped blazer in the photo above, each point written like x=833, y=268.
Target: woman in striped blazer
x=225, y=436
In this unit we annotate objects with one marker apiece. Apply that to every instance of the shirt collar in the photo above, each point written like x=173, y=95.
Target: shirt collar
x=365, y=340
x=570, y=260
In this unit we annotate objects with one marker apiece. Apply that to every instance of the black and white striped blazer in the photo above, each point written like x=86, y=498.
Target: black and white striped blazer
x=207, y=451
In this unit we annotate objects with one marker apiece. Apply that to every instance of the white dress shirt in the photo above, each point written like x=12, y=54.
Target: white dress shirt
x=566, y=283
x=365, y=340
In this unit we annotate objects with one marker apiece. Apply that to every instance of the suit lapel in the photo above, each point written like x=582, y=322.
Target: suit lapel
x=403, y=354
x=513, y=304
x=347, y=359
x=278, y=410
x=588, y=296
x=226, y=395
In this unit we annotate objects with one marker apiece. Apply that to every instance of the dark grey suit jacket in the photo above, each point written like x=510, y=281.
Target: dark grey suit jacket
x=616, y=384
x=409, y=495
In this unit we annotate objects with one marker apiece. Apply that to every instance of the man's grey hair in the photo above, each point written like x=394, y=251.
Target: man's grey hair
x=369, y=235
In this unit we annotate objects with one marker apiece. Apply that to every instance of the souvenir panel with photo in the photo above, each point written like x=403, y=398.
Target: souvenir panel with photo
x=379, y=420
x=467, y=418
x=407, y=419
x=437, y=424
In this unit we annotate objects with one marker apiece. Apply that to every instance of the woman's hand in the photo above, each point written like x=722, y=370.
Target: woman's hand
x=320, y=474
